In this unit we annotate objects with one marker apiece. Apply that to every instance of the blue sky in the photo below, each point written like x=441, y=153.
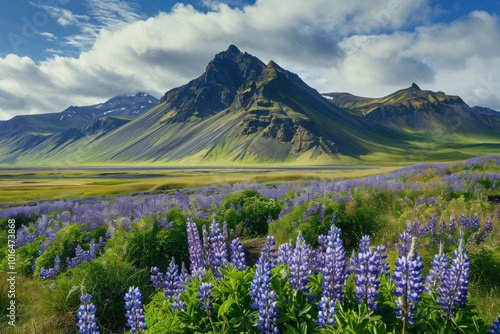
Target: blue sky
x=56, y=53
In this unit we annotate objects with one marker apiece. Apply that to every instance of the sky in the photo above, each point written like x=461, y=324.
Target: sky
x=57, y=53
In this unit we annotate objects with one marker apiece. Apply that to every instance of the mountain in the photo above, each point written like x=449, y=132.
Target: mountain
x=243, y=111
x=239, y=111
x=487, y=111
x=25, y=132
x=414, y=109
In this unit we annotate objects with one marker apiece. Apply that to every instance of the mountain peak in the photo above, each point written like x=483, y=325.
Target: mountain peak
x=415, y=86
x=232, y=52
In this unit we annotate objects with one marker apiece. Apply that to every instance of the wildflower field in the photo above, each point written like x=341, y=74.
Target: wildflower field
x=416, y=250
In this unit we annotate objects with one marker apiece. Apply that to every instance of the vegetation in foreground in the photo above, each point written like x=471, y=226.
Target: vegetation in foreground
x=104, y=248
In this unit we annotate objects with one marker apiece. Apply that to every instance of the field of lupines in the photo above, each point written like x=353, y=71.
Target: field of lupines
x=294, y=257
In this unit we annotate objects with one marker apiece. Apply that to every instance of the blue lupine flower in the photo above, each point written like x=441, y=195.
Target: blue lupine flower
x=262, y=277
x=409, y=284
x=495, y=327
x=171, y=279
x=51, y=272
x=300, y=264
x=367, y=272
x=87, y=321
x=237, y=255
x=437, y=272
x=218, y=248
x=284, y=253
x=268, y=313
x=195, y=249
x=381, y=260
x=453, y=290
x=157, y=277
x=334, y=269
x=204, y=295
x=135, y=314
x=326, y=312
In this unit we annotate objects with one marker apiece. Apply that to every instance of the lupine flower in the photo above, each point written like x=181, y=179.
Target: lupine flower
x=262, y=278
x=381, y=260
x=218, y=248
x=157, y=278
x=237, y=255
x=405, y=245
x=300, y=264
x=409, y=284
x=51, y=272
x=495, y=327
x=135, y=313
x=437, y=272
x=171, y=281
x=284, y=253
x=367, y=273
x=334, y=267
x=205, y=296
x=268, y=313
x=87, y=321
x=195, y=249
x=453, y=225
x=453, y=289
x=326, y=312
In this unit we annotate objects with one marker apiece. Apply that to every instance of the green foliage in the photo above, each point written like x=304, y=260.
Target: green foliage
x=151, y=245
x=65, y=243
x=27, y=255
x=252, y=219
x=107, y=280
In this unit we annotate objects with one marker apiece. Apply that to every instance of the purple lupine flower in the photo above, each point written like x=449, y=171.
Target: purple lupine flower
x=204, y=295
x=262, y=278
x=326, y=312
x=437, y=272
x=453, y=289
x=405, y=245
x=218, y=248
x=334, y=267
x=183, y=278
x=381, y=260
x=284, y=253
x=453, y=225
x=135, y=313
x=156, y=277
x=51, y=272
x=442, y=227
x=474, y=222
x=409, y=284
x=87, y=321
x=367, y=273
x=268, y=313
x=320, y=253
x=300, y=264
x=171, y=279
x=495, y=327
x=463, y=221
x=195, y=249
x=206, y=245
x=237, y=254
x=432, y=228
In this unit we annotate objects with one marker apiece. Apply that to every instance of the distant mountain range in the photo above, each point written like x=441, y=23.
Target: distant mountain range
x=243, y=111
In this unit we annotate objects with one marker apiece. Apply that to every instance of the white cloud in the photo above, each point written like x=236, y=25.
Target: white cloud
x=49, y=36
x=368, y=48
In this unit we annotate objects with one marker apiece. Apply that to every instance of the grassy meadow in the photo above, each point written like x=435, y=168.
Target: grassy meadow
x=109, y=226
x=20, y=185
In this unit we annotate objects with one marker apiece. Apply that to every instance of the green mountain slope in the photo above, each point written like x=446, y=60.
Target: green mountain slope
x=413, y=109
x=241, y=111
x=238, y=111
